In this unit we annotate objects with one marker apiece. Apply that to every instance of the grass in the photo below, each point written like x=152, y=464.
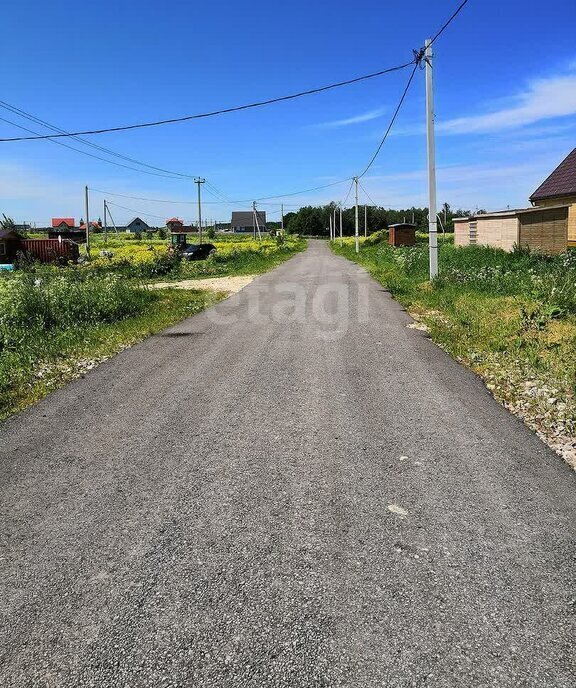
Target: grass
x=511, y=317
x=56, y=324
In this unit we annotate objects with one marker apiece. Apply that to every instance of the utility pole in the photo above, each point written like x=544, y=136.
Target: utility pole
x=356, y=217
x=432, y=219
x=365, y=220
x=282, y=217
x=331, y=228
x=199, y=181
x=341, y=241
x=256, y=223
x=105, y=224
x=87, y=221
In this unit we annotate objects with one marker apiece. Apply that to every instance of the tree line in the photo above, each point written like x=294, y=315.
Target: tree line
x=315, y=220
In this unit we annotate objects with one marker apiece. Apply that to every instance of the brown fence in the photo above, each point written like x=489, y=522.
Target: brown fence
x=50, y=250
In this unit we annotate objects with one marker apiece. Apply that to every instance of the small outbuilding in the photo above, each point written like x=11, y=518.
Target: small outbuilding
x=539, y=229
x=402, y=234
x=10, y=244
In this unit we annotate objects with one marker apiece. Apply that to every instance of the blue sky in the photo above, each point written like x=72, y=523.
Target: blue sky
x=505, y=77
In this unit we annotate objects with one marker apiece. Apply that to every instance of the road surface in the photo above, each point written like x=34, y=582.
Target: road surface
x=292, y=489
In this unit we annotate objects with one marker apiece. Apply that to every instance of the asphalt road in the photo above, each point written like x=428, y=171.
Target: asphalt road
x=292, y=489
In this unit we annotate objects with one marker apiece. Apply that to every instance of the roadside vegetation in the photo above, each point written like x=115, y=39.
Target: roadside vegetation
x=151, y=258
x=511, y=317
x=58, y=322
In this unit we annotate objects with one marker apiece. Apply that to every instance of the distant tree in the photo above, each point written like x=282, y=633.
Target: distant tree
x=7, y=223
x=211, y=232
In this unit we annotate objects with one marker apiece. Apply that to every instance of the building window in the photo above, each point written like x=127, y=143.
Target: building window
x=2, y=249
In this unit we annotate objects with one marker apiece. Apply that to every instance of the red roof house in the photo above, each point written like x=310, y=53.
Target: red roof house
x=63, y=222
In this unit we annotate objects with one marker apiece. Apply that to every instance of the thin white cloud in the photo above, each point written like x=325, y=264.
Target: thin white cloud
x=544, y=99
x=357, y=119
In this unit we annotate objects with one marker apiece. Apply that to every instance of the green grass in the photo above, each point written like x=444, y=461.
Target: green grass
x=511, y=317
x=55, y=324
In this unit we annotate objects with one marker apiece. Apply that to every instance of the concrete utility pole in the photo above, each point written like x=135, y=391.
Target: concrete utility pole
x=341, y=241
x=105, y=224
x=331, y=228
x=87, y=221
x=282, y=217
x=432, y=219
x=365, y=220
x=256, y=223
x=198, y=181
x=356, y=217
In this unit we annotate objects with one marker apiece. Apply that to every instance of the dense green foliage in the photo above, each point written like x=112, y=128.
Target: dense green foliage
x=315, y=220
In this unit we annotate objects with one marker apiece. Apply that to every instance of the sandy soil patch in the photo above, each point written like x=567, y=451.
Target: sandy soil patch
x=228, y=284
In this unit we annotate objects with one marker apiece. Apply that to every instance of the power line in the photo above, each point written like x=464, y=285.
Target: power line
x=138, y=212
x=238, y=201
x=391, y=124
x=348, y=194
x=213, y=113
x=90, y=155
x=450, y=20
x=367, y=194
x=37, y=120
x=179, y=202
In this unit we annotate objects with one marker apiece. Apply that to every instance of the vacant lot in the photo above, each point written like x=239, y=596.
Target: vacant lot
x=511, y=317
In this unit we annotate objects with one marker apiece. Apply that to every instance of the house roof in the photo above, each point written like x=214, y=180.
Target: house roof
x=139, y=219
x=241, y=218
x=175, y=220
x=92, y=224
x=562, y=182
x=57, y=221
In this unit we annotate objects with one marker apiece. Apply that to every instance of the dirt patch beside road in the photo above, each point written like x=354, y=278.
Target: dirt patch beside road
x=227, y=284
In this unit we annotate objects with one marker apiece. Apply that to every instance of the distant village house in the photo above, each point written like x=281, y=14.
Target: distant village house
x=245, y=221
x=63, y=223
x=137, y=225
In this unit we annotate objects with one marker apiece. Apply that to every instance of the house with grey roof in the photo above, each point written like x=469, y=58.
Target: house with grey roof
x=137, y=225
x=245, y=221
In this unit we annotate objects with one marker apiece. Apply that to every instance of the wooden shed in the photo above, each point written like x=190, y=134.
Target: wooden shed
x=539, y=229
x=402, y=234
x=9, y=246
